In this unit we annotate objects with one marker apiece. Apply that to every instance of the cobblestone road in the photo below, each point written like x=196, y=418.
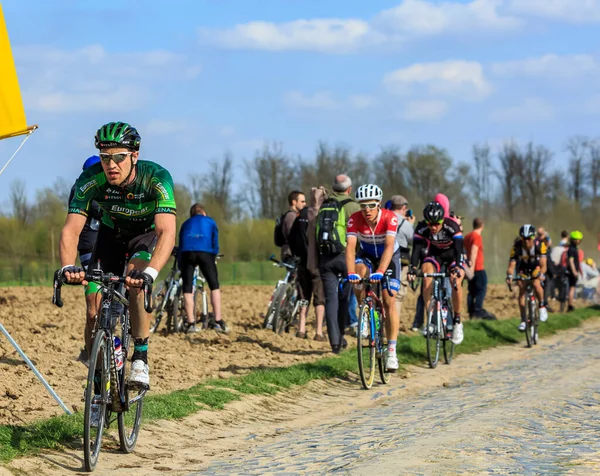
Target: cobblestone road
x=532, y=416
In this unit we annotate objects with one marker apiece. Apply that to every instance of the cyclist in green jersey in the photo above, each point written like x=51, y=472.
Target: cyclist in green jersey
x=138, y=221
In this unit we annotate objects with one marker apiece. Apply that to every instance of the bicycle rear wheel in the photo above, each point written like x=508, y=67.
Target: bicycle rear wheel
x=270, y=316
x=96, y=393
x=175, y=313
x=280, y=318
x=160, y=300
x=382, y=350
x=433, y=333
x=129, y=421
x=365, y=347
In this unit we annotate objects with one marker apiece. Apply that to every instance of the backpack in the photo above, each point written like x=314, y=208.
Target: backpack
x=331, y=227
x=564, y=259
x=278, y=236
x=298, y=239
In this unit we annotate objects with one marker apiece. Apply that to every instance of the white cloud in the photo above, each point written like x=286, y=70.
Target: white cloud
x=550, y=66
x=424, y=111
x=419, y=17
x=464, y=79
x=531, y=110
x=361, y=101
x=93, y=79
x=324, y=35
x=321, y=100
x=409, y=20
x=227, y=131
x=575, y=11
x=324, y=101
x=592, y=106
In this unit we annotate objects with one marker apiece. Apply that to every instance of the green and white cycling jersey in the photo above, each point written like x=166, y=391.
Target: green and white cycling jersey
x=130, y=210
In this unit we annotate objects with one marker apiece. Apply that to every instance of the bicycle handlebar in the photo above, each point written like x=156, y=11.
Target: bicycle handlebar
x=519, y=278
x=283, y=264
x=420, y=274
x=385, y=278
x=98, y=277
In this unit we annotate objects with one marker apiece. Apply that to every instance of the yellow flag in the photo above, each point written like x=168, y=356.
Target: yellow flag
x=12, y=114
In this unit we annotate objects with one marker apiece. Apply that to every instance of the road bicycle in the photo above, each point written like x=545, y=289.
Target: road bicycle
x=107, y=391
x=532, y=318
x=284, y=303
x=164, y=296
x=371, y=343
x=440, y=315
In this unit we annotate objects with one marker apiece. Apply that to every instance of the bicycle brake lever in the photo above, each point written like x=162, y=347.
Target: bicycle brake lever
x=57, y=284
x=147, y=290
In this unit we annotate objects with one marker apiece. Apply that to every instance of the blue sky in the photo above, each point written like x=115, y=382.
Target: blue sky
x=198, y=78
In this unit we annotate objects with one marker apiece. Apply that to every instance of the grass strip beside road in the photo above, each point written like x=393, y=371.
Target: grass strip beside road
x=213, y=394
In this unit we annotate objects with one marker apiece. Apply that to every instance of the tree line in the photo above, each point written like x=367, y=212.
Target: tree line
x=514, y=184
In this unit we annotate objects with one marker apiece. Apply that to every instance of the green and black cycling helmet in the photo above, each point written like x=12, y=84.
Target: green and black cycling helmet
x=576, y=235
x=527, y=231
x=118, y=134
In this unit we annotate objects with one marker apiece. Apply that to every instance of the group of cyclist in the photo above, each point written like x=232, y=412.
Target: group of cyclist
x=373, y=251
x=121, y=217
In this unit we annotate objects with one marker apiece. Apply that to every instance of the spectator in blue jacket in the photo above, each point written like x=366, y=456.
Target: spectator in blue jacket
x=199, y=246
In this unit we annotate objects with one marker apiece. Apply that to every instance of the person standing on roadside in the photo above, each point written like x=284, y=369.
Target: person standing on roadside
x=404, y=237
x=296, y=201
x=199, y=246
x=477, y=285
x=331, y=225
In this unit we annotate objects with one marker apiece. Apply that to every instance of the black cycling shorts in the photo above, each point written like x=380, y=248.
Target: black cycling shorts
x=112, y=251
x=188, y=262
x=527, y=267
x=441, y=259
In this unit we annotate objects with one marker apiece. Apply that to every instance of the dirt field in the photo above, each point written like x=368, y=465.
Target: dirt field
x=52, y=338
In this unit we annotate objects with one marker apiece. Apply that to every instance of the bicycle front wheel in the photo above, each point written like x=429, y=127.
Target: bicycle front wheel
x=365, y=347
x=433, y=333
x=96, y=400
x=529, y=327
x=382, y=350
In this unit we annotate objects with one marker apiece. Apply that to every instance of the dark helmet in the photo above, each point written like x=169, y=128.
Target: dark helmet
x=527, y=231
x=93, y=160
x=433, y=213
x=118, y=134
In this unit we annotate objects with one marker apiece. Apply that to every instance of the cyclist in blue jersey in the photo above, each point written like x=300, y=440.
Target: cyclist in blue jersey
x=199, y=246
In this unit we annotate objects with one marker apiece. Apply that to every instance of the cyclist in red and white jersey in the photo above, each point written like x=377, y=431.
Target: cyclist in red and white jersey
x=375, y=230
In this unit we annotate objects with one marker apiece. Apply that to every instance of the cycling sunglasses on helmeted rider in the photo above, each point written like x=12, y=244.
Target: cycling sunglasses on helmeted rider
x=432, y=223
x=117, y=157
x=368, y=206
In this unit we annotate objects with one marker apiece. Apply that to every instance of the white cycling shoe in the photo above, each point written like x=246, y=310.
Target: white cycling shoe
x=522, y=326
x=391, y=362
x=543, y=314
x=457, y=334
x=140, y=375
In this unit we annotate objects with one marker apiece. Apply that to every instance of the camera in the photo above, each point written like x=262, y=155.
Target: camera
x=409, y=213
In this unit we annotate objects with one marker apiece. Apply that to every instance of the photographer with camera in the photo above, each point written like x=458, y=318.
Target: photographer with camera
x=406, y=220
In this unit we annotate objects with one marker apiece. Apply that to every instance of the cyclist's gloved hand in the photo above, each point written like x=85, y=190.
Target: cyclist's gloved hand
x=139, y=277
x=456, y=271
x=72, y=274
x=353, y=277
x=376, y=276
x=412, y=273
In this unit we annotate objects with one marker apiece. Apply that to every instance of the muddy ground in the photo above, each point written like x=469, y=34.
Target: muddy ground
x=52, y=338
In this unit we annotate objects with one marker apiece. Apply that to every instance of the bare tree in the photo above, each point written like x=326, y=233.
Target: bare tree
x=534, y=178
x=215, y=186
x=18, y=199
x=509, y=176
x=426, y=168
x=390, y=172
x=594, y=168
x=272, y=175
x=577, y=149
x=480, y=179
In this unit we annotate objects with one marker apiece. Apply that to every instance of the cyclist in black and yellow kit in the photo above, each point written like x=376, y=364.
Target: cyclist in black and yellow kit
x=138, y=220
x=528, y=256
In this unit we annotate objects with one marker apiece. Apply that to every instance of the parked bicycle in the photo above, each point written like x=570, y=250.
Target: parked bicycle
x=371, y=343
x=532, y=318
x=440, y=315
x=106, y=392
x=163, y=297
x=284, y=303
